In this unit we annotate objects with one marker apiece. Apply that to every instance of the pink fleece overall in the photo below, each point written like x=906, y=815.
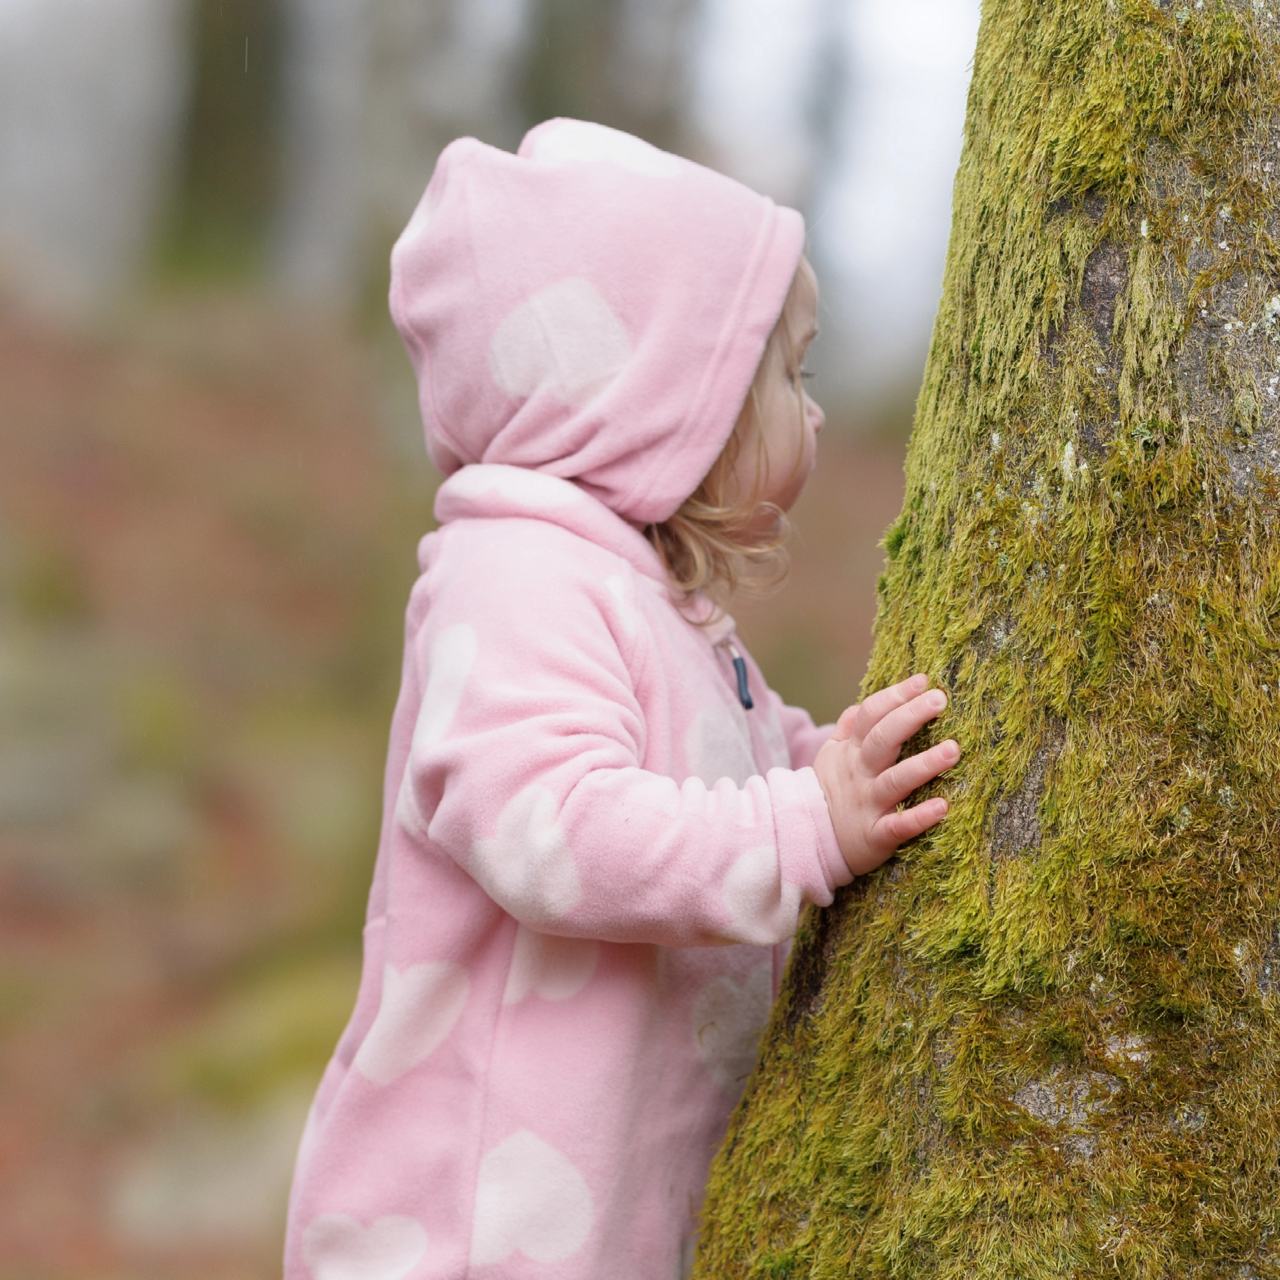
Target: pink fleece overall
x=592, y=853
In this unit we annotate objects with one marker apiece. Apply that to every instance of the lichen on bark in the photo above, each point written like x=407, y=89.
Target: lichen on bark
x=1045, y=1040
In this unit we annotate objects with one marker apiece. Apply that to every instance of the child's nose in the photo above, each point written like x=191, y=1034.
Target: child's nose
x=816, y=416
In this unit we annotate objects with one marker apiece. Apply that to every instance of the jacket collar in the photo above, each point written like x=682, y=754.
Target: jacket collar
x=496, y=491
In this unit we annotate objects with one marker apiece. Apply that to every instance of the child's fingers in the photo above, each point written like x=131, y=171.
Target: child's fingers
x=896, y=784
x=844, y=726
x=896, y=828
x=880, y=747
x=873, y=709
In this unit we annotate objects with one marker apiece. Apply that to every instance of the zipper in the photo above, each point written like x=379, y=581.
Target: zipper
x=740, y=670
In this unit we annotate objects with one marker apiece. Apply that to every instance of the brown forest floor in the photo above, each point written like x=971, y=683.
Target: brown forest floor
x=207, y=531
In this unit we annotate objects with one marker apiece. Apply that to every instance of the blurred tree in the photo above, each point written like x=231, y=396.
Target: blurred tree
x=91, y=97
x=227, y=187
x=1044, y=1042
x=374, y=89
x=619, y=62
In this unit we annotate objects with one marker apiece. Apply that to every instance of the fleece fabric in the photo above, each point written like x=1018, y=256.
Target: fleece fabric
x=592, y=855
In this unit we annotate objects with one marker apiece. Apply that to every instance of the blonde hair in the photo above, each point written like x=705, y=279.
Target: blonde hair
x=709, y=545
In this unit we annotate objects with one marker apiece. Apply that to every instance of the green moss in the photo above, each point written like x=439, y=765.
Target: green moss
x=1119, y=76
x=895, y=537
x=1044, y=1041
x=777, y=1265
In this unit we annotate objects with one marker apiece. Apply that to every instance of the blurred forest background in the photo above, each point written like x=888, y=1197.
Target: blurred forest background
x=212, y=483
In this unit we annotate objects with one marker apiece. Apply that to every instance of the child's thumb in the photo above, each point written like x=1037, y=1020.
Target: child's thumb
x=844, y=726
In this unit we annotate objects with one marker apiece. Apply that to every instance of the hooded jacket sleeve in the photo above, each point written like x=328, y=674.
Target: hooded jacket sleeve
x=526, y=769
x=804, y=738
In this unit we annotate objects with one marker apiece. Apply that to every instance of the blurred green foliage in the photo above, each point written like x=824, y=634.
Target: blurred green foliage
x=266, y=1032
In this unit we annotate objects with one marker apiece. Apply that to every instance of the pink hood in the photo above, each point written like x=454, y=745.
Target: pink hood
x=591, y=308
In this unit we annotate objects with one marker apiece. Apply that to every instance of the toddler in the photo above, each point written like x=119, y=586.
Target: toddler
x=600, y=824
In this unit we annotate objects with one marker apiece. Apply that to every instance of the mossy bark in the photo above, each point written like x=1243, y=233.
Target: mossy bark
x=1045, y=1040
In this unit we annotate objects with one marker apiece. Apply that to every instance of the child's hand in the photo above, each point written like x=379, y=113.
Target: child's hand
x=864, y=785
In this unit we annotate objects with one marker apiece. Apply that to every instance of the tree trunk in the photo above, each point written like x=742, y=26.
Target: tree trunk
x=1044, y=1041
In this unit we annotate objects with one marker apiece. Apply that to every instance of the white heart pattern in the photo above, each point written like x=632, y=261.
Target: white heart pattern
x=337, y=1247
x=620, y=590
x=718, y=745
x=765, y=909
x=565, y=339
x=547, y=966
x=418, y=1009
x=452, y=656
x=526, y=866
x=518, y=485
x=579, y=141
x=727, y=1020
x=529, y=1199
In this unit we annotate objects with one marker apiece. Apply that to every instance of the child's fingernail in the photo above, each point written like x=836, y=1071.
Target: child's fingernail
x=937, y=699
x=951, y=750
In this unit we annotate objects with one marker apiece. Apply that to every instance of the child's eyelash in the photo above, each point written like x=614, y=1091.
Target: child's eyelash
x=806, y=373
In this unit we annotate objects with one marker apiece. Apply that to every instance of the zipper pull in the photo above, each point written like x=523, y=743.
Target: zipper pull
x=740, y=670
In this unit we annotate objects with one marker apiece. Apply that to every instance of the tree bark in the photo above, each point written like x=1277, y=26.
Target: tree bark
x=1044, y=1040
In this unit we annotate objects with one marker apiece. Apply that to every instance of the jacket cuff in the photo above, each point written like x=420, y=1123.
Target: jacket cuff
x=810, y=831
